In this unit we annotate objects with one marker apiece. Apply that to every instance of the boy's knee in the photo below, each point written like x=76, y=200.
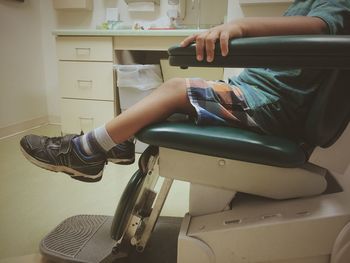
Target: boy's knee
x=176, y=83
x=175, y=86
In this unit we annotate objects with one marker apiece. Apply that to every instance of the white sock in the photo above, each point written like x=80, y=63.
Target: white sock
x=103, y=138
x=95, y=141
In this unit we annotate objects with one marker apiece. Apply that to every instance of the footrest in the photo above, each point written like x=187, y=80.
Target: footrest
x=81, y=238
x=86, y=239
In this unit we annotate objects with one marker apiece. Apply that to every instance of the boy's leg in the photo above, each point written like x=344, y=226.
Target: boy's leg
x=169, y=98
x=66, y=154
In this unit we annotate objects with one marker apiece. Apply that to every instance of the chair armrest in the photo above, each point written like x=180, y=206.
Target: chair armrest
x=317, y=51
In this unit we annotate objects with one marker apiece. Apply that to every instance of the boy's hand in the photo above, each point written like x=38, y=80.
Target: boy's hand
x=206, y=40
x=253, y=27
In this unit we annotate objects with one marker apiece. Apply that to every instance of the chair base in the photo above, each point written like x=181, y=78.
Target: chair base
x=261, y=230
x=86, y=238
x=257, y=179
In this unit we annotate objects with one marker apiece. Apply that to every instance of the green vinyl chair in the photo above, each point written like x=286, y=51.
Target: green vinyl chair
x=253, y=197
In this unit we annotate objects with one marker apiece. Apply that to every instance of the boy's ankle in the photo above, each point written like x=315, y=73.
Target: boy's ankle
x=86, y=157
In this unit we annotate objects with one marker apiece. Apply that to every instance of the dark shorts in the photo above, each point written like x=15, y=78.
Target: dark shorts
x=219, y=103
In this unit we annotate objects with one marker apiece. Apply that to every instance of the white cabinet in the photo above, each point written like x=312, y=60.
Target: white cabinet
x=254, y=2
x=86, y=82
x=86, y=74
x=73, y=4
x=85, y=48
x=85, y=115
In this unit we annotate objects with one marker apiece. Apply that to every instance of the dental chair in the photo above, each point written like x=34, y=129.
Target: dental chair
x=253, y=197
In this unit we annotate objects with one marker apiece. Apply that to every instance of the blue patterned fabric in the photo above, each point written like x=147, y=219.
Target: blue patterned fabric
x=219, y=103
x=292, y=89
x=270, y=100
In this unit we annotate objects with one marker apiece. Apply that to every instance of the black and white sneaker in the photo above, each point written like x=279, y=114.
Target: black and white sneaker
x=59, y=154
x=122, y=153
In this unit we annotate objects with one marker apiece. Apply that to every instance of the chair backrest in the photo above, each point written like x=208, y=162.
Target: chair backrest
x=330, y=112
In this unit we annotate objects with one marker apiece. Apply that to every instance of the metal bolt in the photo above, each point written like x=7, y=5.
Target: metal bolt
x=222, y=162
x=139, y=248
x=133, y=241
x=116, y=249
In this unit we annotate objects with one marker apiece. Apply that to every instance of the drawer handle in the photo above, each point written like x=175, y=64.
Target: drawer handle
x=84, y=83
x=82, y=51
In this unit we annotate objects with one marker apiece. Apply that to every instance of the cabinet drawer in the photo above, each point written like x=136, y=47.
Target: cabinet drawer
x=86, y=80
x=204, y=73
x=73, y=5
x=84, y=115
x=85, y=48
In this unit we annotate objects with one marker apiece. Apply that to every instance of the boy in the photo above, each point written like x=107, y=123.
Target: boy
x=266, y=100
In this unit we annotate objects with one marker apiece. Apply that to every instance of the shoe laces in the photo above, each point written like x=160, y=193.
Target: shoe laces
x=54, y=140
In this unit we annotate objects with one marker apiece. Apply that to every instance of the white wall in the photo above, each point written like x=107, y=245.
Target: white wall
x=86, y=19
x=22, y=86
x=50, y=73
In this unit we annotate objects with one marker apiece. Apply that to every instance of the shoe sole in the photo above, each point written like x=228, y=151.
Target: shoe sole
x=64, y=169
x=122, y=161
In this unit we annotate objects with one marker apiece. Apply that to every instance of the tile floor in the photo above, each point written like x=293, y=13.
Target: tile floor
x=33, y=201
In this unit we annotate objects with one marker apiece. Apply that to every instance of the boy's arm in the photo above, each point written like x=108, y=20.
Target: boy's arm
x=253, y=27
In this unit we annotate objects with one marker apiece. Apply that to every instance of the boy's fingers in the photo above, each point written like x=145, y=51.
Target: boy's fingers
x=200, y=43
x=224, y=37
x=188, y=40
x=210, y=44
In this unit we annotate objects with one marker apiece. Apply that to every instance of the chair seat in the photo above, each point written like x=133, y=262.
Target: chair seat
x=225, y=142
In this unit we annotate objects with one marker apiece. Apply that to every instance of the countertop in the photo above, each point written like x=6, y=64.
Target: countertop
x=125, y=32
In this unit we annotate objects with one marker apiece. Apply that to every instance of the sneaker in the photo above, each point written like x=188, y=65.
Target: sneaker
x=122, y=153
x=59, y=154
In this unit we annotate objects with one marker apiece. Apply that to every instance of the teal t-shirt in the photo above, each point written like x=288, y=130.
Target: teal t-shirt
x=289, y=91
